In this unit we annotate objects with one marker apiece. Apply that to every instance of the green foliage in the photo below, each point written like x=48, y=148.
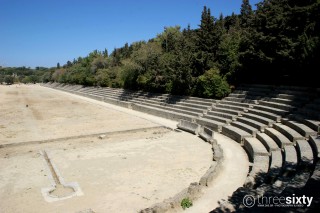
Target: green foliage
x=102, y=78
x=212, y=85
x=186, y=203
x=9, y=79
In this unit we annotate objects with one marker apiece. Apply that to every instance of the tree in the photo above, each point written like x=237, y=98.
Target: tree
x=9, y=79
x=205, y=42
x=212, y=85
x=246, y=14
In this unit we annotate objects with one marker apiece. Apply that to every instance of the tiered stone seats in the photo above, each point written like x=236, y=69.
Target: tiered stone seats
x=276, y=125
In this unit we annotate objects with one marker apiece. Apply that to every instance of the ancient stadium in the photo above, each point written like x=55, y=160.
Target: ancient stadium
x=69, y=148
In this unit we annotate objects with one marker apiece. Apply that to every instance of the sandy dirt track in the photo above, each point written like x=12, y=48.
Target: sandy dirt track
x=123, y=172
x=54, y=115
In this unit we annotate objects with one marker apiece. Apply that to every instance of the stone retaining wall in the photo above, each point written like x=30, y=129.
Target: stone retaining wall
x=194, y=191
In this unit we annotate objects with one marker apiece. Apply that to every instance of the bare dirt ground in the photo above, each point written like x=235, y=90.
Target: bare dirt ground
x=123, y=172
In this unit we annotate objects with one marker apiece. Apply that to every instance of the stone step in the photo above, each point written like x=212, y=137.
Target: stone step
x=279, y=138
x=237, y=95
x=271, y=110
x=96, y=97
x=301, y=128
x=290, y=133
x=228, y=111
x=253, y=131
x=232, y=107
x=276, y=163
x=211, y=124
x=172, y=109
x=293, y=88
x=235, y=133
x=221, y=114
x=265, y=114
x=258, y=171
x=305, y=153
x=293, y=92
x=314, y=142
x=179, y=106
x=254, y=148
x=260, y=119
x=206, y=134
x=192, y=105
x=137, y=101
x=87, y=89
x=239, y=92
x=217, y=118
x=311, y=123
x=200, y=100
x=200, y=103
x=276, y=105
x=291, y=158
x=162, y=113
x=287, y=101
x=189, y=126
x=245, y=105
x=233, y=99
x=267, y=141
x=253, y=123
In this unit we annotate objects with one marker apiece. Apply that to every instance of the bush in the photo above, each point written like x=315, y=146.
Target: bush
x=186, y=203
x=8, y=79
x=212, y=85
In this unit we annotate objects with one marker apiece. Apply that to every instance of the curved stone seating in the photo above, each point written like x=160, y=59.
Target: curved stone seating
x=206, y=134
x=303, y=129
x=235, y=133
x=254, y=148
x=269, y=115
x=154, y=110
x=260, y=119
x=189, y=126
x=255, y=124
x=281, y=106
x=269, y=109
x=281, y=142
x=245, y=105
x=212, y=124
x=251, y=130
x=279, y=138
x=232, y=107
x=217, y=118
x=314, y=142
x=291, y=134
x=305, y=153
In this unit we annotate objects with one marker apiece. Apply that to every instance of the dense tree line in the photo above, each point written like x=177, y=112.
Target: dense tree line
x=10, y=75
x=278, y=43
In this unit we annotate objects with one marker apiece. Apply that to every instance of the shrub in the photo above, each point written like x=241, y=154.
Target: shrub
x=212, y=85
x=186, y=203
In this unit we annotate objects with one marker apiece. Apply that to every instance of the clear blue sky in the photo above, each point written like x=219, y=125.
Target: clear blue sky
x=44, y=32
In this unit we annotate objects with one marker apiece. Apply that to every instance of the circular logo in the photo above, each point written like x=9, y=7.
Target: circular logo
x=248, y=201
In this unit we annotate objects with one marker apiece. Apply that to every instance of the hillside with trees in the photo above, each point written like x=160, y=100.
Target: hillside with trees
x=278, y=43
